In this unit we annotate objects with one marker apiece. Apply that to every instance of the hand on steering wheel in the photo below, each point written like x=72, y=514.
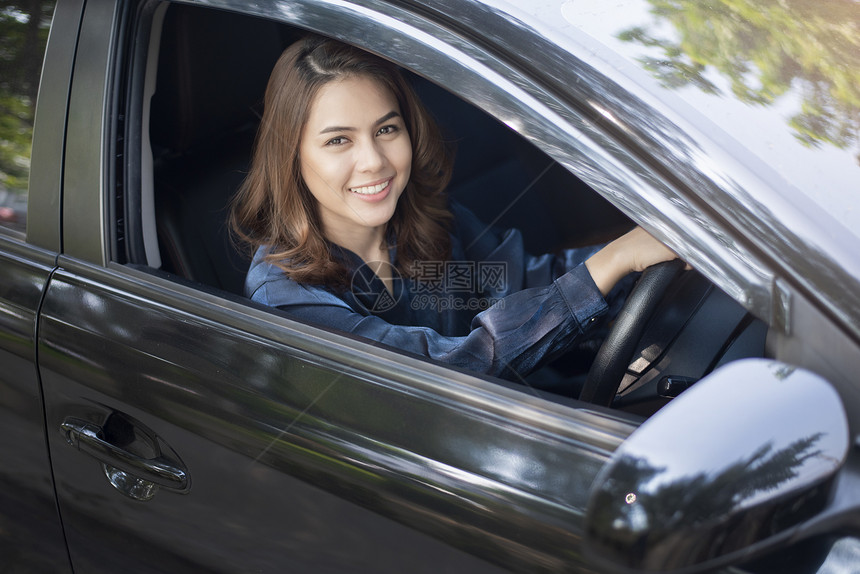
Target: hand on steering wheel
x=610, y=364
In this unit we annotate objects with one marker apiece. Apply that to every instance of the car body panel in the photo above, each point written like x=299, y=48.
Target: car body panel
x=26, y=482
x=90, y=387
x=477, y=466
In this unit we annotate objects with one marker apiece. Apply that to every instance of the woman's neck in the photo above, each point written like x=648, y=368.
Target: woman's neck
x=372, y=248
x=369, y=245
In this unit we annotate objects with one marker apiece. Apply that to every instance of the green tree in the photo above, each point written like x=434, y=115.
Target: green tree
x=764, y=48
x=23, y=34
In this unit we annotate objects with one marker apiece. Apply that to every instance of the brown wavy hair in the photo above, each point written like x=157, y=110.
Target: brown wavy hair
x=274, y=207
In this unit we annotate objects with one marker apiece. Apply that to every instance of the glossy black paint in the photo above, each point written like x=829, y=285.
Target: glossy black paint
x=298, y=448
x=731, y=486
x=31, y=536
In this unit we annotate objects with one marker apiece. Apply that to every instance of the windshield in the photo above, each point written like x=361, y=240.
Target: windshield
x=781, y=76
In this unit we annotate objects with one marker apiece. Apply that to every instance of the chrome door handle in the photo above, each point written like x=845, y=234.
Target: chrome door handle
x=86, y=437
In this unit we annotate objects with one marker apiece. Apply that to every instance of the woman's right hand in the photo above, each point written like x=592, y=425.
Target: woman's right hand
x=634, y=251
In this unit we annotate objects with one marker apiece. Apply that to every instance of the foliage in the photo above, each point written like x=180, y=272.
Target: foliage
x=23, y=34
x=765, y=48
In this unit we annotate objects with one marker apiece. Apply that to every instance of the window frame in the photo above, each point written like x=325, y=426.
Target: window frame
x=554, y=122
x=480, y=77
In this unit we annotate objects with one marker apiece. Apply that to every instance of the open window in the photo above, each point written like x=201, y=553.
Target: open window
x=212, y=71
x=205, y=76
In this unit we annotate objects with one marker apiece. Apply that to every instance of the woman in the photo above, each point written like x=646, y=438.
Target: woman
x=345, y=208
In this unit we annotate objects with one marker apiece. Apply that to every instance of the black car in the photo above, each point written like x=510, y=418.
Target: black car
x=154, y=419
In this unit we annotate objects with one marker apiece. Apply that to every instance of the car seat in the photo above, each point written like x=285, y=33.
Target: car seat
x=204, y=115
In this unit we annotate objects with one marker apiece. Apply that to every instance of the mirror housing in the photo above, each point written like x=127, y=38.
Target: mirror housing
x=724, y=472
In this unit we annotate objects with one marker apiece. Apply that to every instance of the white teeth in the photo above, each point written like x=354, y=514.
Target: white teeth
x=370, y=189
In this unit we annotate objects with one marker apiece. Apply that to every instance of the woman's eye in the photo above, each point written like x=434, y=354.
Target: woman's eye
x=385, y=130
x=340, y=140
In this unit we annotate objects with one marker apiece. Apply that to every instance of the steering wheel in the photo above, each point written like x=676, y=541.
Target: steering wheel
x=613, y=357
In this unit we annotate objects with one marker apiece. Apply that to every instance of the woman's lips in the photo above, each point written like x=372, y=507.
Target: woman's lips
x=373, y=192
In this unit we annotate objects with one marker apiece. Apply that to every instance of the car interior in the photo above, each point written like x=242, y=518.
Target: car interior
x=205, y=112
x=207, y=84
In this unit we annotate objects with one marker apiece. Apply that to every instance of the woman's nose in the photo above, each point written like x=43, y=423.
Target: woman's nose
x=370, y=157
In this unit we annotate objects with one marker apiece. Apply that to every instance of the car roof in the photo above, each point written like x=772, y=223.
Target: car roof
x=780, y=83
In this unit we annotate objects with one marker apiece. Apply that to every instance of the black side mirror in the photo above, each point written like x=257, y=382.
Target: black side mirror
x=734, y=466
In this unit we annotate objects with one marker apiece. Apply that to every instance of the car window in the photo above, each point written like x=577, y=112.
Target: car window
x=23, y=36
x=203, y=106
x=203, y=120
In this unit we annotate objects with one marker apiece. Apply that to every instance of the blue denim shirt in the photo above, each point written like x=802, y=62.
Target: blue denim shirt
x=491, y=308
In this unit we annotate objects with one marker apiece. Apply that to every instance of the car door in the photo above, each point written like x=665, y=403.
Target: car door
x=31, y=537
x=191, y=430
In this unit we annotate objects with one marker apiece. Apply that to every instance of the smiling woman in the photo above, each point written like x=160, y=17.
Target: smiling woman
x=327, y=129
x=347, y=212
x=356, y=174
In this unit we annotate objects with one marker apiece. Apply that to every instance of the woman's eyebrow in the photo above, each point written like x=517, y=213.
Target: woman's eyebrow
x=386, y=117
x=382, y=120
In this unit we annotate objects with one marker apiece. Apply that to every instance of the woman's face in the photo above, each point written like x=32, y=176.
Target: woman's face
x=355, y=157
